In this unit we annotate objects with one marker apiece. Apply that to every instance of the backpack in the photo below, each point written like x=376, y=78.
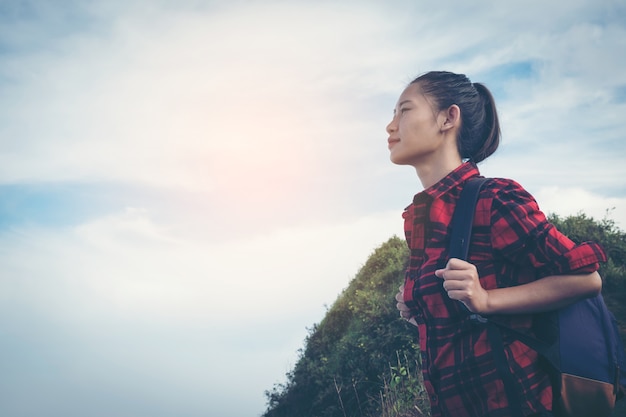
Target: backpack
x=587, y=368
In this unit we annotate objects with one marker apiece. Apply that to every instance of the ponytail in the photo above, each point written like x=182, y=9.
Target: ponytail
x=479, y=135
x=491, y=126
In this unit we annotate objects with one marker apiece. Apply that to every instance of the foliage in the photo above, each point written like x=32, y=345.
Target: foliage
x=352, y=357
x=362, y=360
x=581, y=228
x=398, y=398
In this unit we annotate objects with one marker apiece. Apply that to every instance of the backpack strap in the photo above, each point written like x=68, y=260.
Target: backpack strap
x=463, y=218
x=462, y=221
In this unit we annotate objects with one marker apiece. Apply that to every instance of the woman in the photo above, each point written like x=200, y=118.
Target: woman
x=519, y=264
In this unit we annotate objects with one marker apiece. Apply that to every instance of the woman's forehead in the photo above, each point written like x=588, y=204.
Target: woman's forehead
x=411, y=92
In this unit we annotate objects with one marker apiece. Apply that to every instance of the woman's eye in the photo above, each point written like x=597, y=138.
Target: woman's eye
x=404, y=109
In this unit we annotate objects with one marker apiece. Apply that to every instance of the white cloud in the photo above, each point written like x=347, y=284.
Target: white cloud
x=147, y=312
x=189, y=99
x=127, y=265
x=571, y=201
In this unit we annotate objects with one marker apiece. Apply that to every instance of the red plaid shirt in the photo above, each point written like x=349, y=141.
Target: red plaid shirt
x=512, y=243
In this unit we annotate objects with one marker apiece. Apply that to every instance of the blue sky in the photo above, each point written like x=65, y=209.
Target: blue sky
x=184, y=186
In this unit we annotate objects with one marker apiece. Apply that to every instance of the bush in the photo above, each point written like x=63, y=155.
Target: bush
x=344, y=369
x=581, y=228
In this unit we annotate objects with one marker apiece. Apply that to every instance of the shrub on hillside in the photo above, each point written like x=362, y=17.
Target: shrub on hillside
x=351, y=360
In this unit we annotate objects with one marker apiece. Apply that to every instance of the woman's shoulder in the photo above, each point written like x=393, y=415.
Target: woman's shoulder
x=504, y=196
x=503, y=188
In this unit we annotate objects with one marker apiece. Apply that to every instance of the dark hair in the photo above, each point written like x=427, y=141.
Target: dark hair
x=479, y=135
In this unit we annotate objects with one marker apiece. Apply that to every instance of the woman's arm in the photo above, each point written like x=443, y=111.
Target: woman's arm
x=460, y=280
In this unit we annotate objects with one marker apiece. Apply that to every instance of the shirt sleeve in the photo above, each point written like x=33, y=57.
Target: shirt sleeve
x=521, y=234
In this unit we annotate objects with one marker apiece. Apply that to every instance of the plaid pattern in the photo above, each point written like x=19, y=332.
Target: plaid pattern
x=512, y=243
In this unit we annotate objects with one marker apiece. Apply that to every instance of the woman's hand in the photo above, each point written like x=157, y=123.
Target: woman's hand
x=405, y=313
x=460, y=280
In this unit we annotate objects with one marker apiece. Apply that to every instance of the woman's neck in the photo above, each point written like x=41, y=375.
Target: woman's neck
x=431, y=174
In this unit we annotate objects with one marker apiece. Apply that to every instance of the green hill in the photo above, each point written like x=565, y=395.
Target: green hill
x=362, y=360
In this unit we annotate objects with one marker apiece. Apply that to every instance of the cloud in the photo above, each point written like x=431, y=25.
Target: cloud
x=572, y=201
x=186, y=99
x=127, y=265
x=258, y=127
x=124, y=304
x=191, y=98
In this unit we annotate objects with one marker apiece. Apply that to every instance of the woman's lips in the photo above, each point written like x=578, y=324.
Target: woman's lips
x=391, y=142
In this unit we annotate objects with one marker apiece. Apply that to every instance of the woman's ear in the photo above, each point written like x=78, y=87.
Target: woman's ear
x=452, y=117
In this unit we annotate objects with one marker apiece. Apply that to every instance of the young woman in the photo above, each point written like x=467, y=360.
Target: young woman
x=519, y=264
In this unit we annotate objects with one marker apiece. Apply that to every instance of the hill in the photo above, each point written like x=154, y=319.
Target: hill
x=362, y=360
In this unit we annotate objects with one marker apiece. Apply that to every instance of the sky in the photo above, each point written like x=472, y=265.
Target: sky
x=186, y=186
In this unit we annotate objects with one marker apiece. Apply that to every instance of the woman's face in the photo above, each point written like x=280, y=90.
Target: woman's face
x=415, y=130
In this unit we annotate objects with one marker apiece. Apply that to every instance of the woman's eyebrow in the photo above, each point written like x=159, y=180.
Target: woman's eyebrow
x=400, y=105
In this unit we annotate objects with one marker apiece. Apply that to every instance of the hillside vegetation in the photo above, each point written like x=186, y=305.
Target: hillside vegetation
x=362, y=360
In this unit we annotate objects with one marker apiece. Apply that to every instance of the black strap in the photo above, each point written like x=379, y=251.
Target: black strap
x=462, y=221
x=463, y=218
x=502, y=365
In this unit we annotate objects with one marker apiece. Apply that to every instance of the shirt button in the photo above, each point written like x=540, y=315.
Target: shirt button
x=434, y=399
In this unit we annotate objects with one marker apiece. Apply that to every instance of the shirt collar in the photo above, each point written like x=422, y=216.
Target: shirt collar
x=454, y=179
